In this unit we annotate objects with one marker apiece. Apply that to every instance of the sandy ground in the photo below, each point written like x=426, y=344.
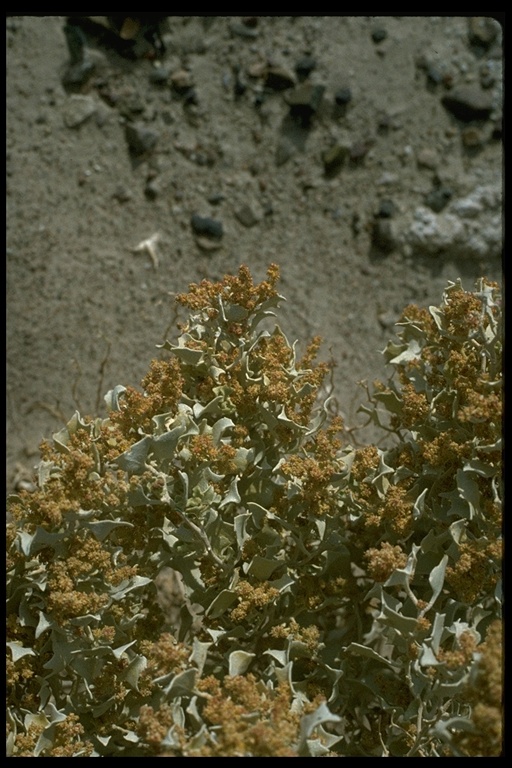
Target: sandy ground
x=333, y=146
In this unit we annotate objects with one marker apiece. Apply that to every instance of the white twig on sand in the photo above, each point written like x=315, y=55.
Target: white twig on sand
x=149, y=246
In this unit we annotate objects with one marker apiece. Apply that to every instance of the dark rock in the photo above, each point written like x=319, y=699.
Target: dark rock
x=386, y=209
x=305, y=101
x=343, y=96
x=468, y=103
x=204, y=226
x=304, y=67
x=190, y=97
x=76, y=41
x=438, y=198
x=497, y=131
x=216, y=198
x=279, y=78
x=152, y=189
x=382, y=235
x=140, y=138
x=379, y=34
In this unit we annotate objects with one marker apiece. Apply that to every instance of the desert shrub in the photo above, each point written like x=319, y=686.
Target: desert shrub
x=333, y=600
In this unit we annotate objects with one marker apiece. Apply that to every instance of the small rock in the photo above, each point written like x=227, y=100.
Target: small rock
x=246, y=216
x=438, y=198
x=468, y=102
x=152, y=189
x=182, y=81
x=427, y=158
x=207, y=244
x=382, y=235
x=335, y=157
x=386, y=209
x=78, y=74
x=305, y=101
x=343, y=96
x=304, y=67
x=216, y=198
x=279, y=78
x=78, y=109
x=140, y=138
x=472, y=138
x=122, y=194
x=482, y=31
x=204, y=226
x=159, y=75
x=379, y=34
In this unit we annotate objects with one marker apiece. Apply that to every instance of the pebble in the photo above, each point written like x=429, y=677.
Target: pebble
x=386, y=209
x=207, y=244
x=140, y=138
x=152, y=189
x=305, y=101
x=468, y=102
x=279, y=78
x=159, y=75
x=438, y=198
x=482, y=31
x=246, y=216
x=122, y=194
x=379, y=34
x=304, y=67
x=427, y=158
x=78, y=109
x=216, y=198
x=182, y=81
x=383, y=237
x=335, y=157
x=204, y=226
x=78, y=74
x=472, y=138
x=343, y=96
